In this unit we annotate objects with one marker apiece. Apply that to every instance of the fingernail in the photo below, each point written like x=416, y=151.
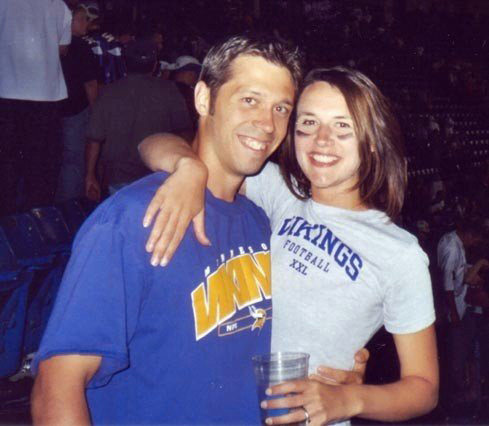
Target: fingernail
x=263, y=404
x=164, y=262
x=149, y=247
x=268, y=391
x=154, y=261
x=145, y=223
x=268, y=421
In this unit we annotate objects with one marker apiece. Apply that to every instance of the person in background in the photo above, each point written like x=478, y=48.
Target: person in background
x=128, y=111
x=32, y=35
x=458, y=276
x=185, y=73
x=80, y=71
x=124, y=33
x=105, y=46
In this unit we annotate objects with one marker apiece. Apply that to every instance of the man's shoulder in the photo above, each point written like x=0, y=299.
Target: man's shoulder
x=163, y=87
x=449, y=239
x=115, y=87
x=139, y=192
x=128, y=205
x=252, y=209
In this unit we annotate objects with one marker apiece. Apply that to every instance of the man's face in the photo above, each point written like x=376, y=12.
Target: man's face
x=250, y=117
x=79, y=24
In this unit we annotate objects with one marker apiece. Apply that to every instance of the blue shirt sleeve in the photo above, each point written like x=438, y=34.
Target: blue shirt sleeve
x=100, y=297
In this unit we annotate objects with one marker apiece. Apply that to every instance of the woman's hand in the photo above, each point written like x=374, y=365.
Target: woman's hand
x=176, y=203
x=323, y=403
x=318, y=390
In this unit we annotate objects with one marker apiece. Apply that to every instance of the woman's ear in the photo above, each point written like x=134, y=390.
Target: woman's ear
x=202, y=97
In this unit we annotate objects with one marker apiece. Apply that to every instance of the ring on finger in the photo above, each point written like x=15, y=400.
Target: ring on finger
x=308, y=418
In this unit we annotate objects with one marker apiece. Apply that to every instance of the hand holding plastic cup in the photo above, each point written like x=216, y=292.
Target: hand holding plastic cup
x=275, y=368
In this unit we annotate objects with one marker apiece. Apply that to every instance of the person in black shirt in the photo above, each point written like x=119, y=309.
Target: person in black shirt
x=185, y=74
x=80, y=71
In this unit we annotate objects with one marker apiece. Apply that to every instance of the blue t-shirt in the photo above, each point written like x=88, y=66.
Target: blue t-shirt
x=176, y=342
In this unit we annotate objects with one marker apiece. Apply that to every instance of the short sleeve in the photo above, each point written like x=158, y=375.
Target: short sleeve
x=96, y=309
x=65, y=27
x=408, y=303
x=268, y=188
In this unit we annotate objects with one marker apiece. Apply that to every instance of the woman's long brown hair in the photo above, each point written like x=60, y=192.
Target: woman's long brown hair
x=382, y=174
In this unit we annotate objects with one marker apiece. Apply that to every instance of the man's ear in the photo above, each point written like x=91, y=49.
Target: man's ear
x=202, y=98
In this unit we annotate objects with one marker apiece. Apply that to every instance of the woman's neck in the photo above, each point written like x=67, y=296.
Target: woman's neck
x=348, y=200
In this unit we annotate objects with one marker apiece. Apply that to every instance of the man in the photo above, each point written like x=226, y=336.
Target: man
x=128, y=343
x=457, y=277
x=80, y=71
x=106, y=47
x=128, y=111
x=32, y=34
x=185, y=74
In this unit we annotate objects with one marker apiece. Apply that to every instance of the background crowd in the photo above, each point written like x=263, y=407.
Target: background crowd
x=129, y=71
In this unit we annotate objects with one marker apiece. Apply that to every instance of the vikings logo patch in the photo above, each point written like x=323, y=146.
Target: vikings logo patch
x=255, y=320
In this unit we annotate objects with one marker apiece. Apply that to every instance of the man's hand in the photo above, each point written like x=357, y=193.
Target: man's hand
x=92, y=189
x=332, y=376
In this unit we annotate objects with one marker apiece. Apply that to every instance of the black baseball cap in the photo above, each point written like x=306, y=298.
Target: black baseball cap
x=141, y=51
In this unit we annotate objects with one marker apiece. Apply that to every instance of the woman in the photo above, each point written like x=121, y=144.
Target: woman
x=340, y=267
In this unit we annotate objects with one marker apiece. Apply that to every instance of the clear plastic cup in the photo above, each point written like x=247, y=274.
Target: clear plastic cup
x=274, y=368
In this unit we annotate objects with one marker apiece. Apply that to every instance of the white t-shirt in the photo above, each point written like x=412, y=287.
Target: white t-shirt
x=453, y=265
x=30, y=34
x=338, y=275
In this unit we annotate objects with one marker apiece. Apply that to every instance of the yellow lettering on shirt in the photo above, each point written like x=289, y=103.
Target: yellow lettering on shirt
x=238, y=283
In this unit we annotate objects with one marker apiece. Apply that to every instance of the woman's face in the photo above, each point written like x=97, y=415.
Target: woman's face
x=326, y=146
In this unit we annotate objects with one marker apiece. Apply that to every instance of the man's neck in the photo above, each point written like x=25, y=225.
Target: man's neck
x=222, y=184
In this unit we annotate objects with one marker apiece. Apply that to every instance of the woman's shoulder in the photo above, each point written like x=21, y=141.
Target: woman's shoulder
x=379, y=237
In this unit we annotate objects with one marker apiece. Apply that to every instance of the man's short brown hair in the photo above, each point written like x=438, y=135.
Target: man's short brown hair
x=216, y=67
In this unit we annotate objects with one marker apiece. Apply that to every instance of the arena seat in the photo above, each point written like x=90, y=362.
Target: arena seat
x=13, y=301
x=54, y=230
x=74, y=214
x=26, y=241
x=14, y=288
x=41, y=305
x=9, y=267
